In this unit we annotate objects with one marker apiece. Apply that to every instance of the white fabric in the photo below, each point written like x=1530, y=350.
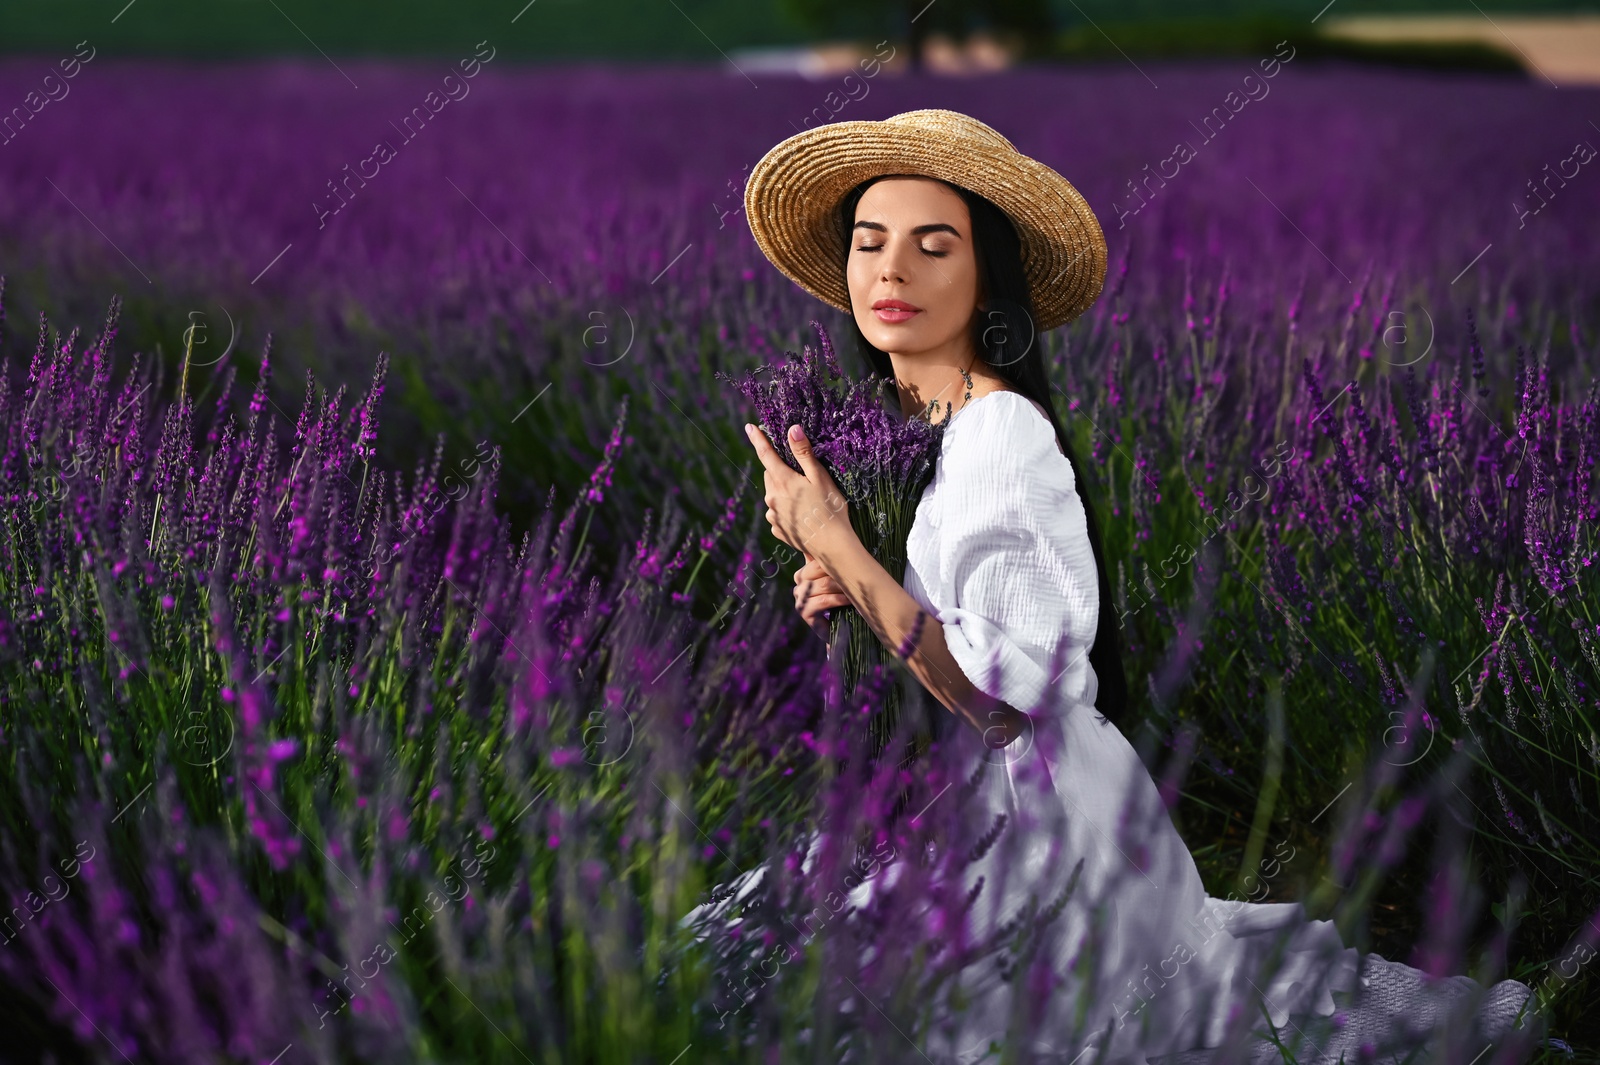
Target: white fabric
x=999, y=552
x=999, y=556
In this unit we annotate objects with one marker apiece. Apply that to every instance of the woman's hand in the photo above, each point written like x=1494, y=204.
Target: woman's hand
x=806, y=510
x=814, y=592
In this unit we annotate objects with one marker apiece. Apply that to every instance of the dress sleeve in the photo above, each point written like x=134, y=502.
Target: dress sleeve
x=1017, y=570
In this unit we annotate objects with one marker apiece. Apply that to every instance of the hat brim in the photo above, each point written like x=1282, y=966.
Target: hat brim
x=794, y=192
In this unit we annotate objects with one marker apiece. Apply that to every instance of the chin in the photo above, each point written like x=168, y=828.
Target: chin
x=884, y=340
x=901, y=340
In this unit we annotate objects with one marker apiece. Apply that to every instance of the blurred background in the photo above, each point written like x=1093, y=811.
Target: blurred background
x=1557, y=37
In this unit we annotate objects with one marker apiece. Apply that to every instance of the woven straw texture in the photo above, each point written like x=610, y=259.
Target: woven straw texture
x=794, y=191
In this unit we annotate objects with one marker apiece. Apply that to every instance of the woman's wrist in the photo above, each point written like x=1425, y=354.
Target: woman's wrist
x=837, y=547
x=915, y=636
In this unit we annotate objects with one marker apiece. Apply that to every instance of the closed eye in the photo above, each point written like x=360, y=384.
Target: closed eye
x=931, y=252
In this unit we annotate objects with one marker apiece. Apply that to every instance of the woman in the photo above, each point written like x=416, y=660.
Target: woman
x=949, y=248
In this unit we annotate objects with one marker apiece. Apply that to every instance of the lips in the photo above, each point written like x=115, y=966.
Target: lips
x=895, y=310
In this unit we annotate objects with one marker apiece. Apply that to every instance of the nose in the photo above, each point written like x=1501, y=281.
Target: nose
x=892, y=271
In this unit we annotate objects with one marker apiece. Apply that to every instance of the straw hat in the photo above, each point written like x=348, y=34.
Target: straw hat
x=794, y=192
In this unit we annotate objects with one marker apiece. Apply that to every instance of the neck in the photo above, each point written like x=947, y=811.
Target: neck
x=923, y=377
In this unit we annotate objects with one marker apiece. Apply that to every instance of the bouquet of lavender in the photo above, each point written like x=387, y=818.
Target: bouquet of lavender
x=880, y=461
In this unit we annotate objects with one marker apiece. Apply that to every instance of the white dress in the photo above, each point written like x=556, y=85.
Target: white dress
x=999, y=555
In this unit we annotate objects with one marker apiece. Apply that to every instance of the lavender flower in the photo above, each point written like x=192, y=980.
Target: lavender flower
x=880, y=460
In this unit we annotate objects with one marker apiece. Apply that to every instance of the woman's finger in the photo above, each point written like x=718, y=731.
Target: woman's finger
x=825, y=602
x=768, y=455
x=804, y=593
x=819, y=586
x=811, y=571
x=819, y=603
x=802, y=596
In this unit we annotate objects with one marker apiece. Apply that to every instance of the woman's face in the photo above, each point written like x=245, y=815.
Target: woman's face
x=912, y=271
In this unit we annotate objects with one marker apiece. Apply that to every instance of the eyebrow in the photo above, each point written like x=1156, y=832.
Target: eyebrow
x=931, y=227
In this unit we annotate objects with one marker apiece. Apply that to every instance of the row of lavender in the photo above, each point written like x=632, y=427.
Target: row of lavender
x=573, y=234
x=295, y=744
x=298, y=761
x=504, y=230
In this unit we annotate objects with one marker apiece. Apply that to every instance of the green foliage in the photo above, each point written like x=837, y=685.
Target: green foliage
x=547, y=29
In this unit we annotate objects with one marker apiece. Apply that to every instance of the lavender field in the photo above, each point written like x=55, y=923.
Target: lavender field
x=393, y=650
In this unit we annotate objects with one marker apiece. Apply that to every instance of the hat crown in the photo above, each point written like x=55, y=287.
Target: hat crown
x=951, y=123
x=793, y=195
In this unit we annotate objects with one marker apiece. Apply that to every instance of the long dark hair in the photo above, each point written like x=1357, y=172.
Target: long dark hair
x=1003, y=332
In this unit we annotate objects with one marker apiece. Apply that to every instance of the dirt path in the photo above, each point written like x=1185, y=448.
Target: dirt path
x=1563, y=49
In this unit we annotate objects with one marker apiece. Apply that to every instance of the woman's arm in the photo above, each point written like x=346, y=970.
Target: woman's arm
x=891, y=613
x=809, y=513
